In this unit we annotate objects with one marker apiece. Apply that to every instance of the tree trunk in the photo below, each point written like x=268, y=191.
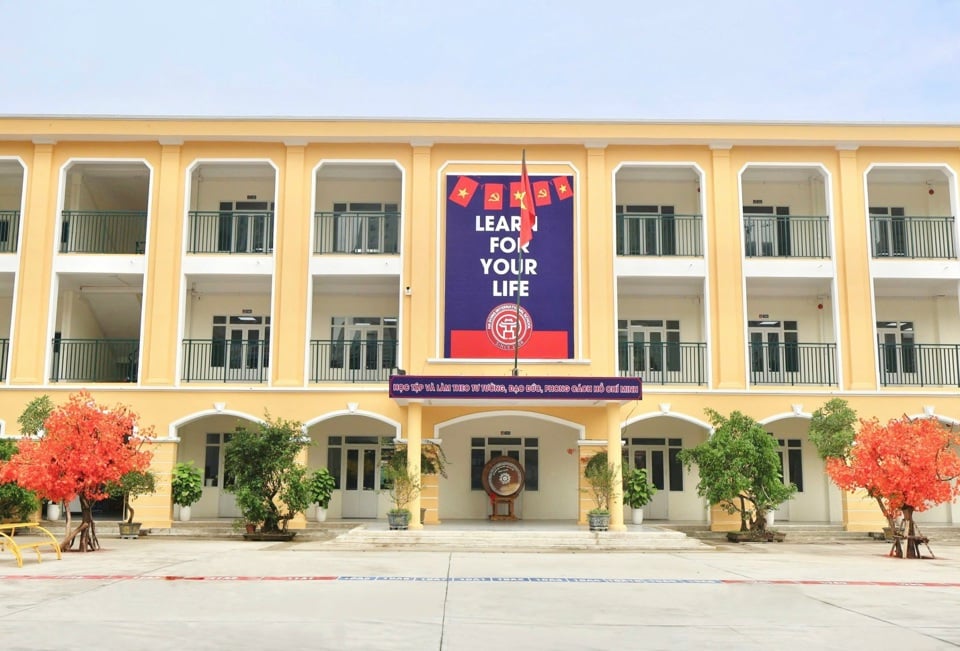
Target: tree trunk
x=913, y=547
x=87, y=531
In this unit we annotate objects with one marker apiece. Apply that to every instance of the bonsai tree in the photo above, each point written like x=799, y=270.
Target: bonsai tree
x=433, y=460
x=600, y=476
x=16, y=502
x=907, y=465
x=321, y=486
x=637, y=490
x=186, y=484
x=132, y=484
x=404, y=484
x=739, y=469
x=85, y=447
x=270, y=485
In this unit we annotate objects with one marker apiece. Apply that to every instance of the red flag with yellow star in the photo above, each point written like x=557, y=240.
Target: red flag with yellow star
x=528, y=213
x=564, y=187
x=463, y=191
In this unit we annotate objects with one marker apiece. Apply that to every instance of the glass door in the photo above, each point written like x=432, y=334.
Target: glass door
x=360, y=480
x=898, y=354
x=651, y=459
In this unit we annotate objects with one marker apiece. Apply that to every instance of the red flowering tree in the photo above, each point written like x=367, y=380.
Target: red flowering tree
x=907, y=465
x=85, y=447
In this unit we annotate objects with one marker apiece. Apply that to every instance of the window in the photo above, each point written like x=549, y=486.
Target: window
x=524, y=449
x=793, y=472
x=363, y=227
x=888, y=231
x=648, y=347
x=767, y=230
x=363, y=342
x=646, y=230
x=898, y=350
x=240, y=341
x=774, y=346
x=245, y=227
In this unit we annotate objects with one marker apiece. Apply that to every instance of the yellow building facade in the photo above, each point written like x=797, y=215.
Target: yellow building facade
x=208, y=271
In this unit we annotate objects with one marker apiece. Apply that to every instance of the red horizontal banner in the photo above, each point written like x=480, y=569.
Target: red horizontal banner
x=475, y=343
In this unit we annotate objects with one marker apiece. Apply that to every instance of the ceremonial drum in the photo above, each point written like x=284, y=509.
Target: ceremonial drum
x=503, y=480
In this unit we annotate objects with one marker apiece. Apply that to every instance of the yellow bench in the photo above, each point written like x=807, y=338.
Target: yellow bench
x=7, y=531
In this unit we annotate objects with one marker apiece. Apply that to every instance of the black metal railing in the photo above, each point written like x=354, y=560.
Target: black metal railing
x=4, y=356
x=101, y=231
x=356, y=232
x=95, y=360
x=9, y=230
x=919, y=365
x=658, y=234
x=226, y=360
x=665, y=362
x=352, y=361
x=786, y=236
x=793, y=363
x=912, y=237
x=234, y=231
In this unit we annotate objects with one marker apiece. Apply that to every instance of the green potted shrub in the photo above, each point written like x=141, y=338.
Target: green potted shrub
x=600, y=475
x=17, y=504
x=186, y=487
x=31, y=423
x=637, y=492
x=321, y=486
x=270, y=485
x=404, y=488
x=130, y=485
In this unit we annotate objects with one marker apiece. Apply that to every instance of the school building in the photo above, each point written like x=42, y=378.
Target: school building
x=363, y=277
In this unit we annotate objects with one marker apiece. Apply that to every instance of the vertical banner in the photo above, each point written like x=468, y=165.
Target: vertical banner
x=485, y=277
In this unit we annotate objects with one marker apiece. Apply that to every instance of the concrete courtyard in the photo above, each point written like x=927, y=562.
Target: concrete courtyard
x=225, y=594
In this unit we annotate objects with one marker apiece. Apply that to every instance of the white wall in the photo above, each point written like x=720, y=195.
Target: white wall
x=936, y=320
x=208, y=193
x=813, y=325
x=348, y=191
x=203, y=308
x=688, y=309
x=806, y=199
x=327, y=306
x=914, y=198
x=682, y=195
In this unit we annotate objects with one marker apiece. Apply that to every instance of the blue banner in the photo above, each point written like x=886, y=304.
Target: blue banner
x=434, y=387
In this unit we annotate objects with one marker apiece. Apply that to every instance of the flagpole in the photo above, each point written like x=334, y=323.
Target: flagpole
x=516, y=338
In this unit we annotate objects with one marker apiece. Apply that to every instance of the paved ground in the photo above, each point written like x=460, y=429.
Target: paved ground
x=218, y=594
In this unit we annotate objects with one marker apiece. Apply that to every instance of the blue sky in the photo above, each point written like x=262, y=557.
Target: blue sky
x=819, y=60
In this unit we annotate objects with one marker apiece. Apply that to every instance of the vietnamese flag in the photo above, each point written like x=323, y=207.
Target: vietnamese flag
x=493, y=196
x=463, y=191
x=541, y=193
x=528, y=212
x=564, y=187
x=515, y=194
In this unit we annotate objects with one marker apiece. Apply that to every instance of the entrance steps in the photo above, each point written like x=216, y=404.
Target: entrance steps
x=514, y=540
x=813, y=533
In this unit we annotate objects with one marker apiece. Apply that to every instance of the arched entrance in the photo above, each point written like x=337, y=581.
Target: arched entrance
x=545, y=446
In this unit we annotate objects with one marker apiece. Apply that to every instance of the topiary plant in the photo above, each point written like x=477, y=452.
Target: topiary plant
x=321, y=486
x=186, y=484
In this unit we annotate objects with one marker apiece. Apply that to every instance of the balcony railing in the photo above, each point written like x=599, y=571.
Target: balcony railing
x=235, y=231
x=352, y=361
x=657, y=234
x=4, y=356
x=786, y=236
x=226, y=360
x=912, y=237
x=356, y=232
x=9, y=230
x=94, y=360
x=102, y=231
x=793, y=363
x=919, y=365
x=665, y=362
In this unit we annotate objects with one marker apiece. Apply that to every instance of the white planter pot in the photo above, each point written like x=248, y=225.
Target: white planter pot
x=637, y=516
x=768, y=516
x=321, y=514
x=53, y=511
x=184, y=514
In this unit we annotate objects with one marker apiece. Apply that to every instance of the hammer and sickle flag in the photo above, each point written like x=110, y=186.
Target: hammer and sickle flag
x=493, y=196
x=541, y=193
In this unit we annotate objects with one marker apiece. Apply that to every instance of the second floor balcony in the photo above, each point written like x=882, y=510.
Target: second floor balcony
x=664, y=362
x=919, y=365
x=356, y=232
x=786, y=236
x=792, y=363
x=226, y=360
x=95, y=360
x=659, y=234
x=904, y=236
x=231, y=232
x=357, y=360
x=116, y=232
x=9, y=230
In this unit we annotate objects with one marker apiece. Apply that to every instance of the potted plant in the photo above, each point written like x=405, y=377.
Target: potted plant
x=130, y=485
x=321, y=486
x=637, y=492
x=17, y=504
x=186, y=487
x=404, y=488
x=270, y=485
x=600, y=474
